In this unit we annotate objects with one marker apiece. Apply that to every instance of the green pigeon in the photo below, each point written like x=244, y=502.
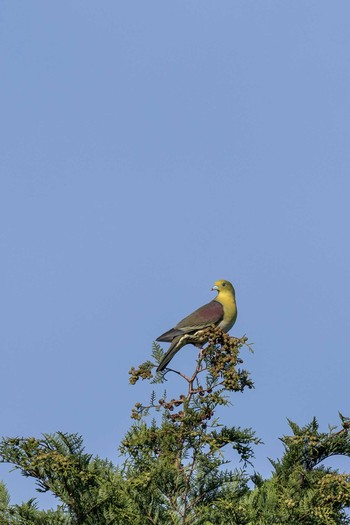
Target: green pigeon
x=221, y=312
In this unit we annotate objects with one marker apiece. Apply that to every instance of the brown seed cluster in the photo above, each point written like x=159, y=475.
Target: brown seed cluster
x=142, y=372
x=217, y=367
x=221, y=357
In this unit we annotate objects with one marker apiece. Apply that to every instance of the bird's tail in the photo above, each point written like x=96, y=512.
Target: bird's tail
x=175, y=346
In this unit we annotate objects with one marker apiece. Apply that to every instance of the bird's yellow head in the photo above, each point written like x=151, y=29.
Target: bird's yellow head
x=224, y=287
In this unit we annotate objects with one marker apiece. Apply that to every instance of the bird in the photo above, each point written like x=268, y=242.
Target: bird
x=220, y=312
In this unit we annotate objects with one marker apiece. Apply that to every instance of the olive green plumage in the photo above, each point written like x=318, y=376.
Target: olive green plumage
x=221, y=312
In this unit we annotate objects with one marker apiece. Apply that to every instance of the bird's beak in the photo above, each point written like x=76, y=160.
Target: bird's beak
x=215, y=288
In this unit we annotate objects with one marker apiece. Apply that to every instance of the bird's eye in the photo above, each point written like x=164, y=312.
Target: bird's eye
x=223, y=284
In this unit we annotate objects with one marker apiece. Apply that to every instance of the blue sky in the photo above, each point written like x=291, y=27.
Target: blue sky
x=147, y=150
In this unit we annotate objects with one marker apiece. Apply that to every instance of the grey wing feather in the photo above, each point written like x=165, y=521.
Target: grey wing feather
x=173, y=349
x=168, y=336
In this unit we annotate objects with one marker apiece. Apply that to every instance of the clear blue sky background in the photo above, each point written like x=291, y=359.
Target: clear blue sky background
x=148, y=149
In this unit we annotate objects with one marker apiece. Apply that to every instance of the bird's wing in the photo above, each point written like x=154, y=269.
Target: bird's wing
x=211, y=313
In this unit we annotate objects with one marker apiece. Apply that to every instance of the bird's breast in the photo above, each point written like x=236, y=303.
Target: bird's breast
x=230, y=314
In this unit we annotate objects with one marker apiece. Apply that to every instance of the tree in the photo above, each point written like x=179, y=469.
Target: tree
x=91, y=490
x=175, y=470
x=301, y=489
x=176, y=465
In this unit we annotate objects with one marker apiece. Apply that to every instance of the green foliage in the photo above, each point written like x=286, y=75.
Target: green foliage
x=4, y=504
x=175, y=470
x=181, y=459
x=90, y=489
x=29, y=513
x=301, y=489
